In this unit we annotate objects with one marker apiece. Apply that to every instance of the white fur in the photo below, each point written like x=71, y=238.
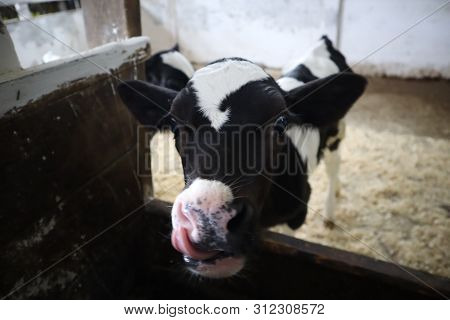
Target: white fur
x=209, y=196
x=317, y=60
x=306, y=140
x=216, y=81
x=288, y=83
x=216, y=191
x=178, y=61
x=340, y=135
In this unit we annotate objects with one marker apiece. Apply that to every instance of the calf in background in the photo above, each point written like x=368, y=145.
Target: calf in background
x=229, y=123
x=169, y=69
x=313, y=143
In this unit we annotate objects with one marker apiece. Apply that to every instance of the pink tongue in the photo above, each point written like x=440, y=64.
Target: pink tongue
x=182, y=243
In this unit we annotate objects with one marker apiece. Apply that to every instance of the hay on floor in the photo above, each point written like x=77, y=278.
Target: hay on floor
x=395, y=174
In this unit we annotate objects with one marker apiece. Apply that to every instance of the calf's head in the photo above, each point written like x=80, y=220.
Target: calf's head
x=169, y=69
x=227, y=123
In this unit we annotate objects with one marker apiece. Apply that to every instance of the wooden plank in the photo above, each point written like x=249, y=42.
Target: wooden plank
x=68, y=172
x=136, y=261
x=133, y=18
x=291, y=268
x=345, y=261
x=110, y=20
x=21, y=88
x=9, y=61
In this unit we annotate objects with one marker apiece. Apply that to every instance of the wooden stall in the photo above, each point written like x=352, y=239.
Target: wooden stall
x=73, y=223
x=68, y=165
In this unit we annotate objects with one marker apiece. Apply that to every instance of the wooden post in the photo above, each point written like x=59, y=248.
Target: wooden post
x=9, y=61
x=110, y=20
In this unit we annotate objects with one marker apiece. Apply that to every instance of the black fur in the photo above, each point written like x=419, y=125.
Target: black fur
x=161, y=74
x=303, y=74
x=273, y=196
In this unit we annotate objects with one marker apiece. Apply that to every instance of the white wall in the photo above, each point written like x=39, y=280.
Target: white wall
x=35, y=46
x=272, y=32
x=265, y=31
x=158, y=23
x=424, y=51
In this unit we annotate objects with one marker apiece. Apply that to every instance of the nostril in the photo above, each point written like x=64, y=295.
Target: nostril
x=239, y=220
x=185, y=218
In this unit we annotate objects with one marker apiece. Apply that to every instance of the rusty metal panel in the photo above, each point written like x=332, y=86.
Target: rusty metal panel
x=68, y=171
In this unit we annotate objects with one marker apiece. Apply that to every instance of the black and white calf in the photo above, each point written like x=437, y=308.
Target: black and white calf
x=169, y=69
x=315, y=143
x=218, y=217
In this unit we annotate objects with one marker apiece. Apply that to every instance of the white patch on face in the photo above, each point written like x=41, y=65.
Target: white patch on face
x=306, y=140
x=288, y=83
x=317, y=60
x=215, y=82
x=178, y=61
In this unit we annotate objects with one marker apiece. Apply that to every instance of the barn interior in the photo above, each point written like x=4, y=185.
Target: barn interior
x=396, y=147
x=395, y=155
x=86, y=192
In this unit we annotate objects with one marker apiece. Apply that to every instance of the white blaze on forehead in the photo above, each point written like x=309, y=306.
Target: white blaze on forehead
x=288, y=83
x=215, y=82
x=317, y=60
x=306, y=140
x=176, y=60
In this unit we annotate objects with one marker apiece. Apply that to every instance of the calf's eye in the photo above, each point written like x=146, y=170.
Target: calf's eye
x=280, y=124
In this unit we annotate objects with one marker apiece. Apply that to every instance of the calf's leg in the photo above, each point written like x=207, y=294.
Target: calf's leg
x=332, y=162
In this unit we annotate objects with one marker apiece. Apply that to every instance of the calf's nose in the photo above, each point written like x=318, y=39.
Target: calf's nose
x=207, y=218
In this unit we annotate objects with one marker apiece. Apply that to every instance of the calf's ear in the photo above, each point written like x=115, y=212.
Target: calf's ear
x=176, y=47
x=147, y=102
x=326, y=100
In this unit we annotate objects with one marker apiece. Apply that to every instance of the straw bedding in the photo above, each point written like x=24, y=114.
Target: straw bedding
x=395, y=196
